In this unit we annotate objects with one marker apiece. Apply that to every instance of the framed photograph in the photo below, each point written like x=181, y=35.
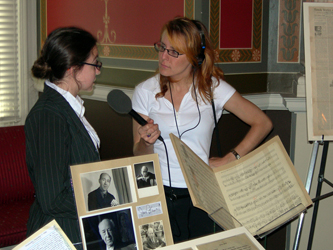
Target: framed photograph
x=116, y=199
x=318, y=47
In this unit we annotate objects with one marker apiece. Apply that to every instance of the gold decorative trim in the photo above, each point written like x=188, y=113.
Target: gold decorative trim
x=134, y=52
x=43, y=21
x=189, y=9
x=289, y=27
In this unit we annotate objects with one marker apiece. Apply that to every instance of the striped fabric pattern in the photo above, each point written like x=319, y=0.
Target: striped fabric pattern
x=55, y=140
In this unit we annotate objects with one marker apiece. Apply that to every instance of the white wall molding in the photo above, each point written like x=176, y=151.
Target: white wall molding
x=263, y=101
x=101, y=92
x=301, y=86
x=267, y=101
x=295, y=104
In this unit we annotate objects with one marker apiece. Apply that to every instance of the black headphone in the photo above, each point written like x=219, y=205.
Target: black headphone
x=201, y=56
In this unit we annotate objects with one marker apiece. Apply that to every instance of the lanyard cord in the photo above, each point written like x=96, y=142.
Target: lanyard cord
x=174, y=111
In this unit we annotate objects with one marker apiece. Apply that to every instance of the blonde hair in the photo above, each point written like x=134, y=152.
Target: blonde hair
x=185, y=38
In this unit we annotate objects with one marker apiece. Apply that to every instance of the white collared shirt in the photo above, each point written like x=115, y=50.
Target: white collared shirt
x=196, y=130
x=77, y=105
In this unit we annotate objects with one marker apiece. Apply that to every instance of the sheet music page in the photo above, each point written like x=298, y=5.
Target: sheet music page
x=233, y=239
x=239, y=242
x=262, y=187
x=201, y=182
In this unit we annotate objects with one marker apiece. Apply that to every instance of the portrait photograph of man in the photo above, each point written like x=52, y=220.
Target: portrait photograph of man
x=152, y=235
x=110, y=231
x=107, y=188
x=100, y=197
x=145, y=175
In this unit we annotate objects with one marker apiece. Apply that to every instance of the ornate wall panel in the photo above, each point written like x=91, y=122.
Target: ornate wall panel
x=124, y=28
x=242, y=41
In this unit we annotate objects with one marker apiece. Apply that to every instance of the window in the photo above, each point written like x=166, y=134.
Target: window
x=14, y=66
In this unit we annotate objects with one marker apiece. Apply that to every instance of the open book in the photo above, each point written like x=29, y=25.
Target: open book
x=261, y=191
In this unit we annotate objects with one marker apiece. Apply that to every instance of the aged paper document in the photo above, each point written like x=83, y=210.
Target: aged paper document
x=234, y=239
x=261, y=191
x=49, y=237
x=318, y=42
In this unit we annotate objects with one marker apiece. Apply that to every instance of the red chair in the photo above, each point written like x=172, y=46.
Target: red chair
x=16, y=189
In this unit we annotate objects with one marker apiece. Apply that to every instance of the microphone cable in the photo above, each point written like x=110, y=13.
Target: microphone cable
x=172, y=195
x=174, y=111
x=180, y=135
x=167, y=159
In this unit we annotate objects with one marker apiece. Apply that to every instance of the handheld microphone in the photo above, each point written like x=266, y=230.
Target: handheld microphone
x=122, y=104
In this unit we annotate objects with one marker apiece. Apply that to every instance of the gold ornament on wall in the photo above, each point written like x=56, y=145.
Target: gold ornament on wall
x=106, y=20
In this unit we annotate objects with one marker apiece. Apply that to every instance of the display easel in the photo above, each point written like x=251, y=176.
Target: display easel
x=318, y=197
x=317, y=18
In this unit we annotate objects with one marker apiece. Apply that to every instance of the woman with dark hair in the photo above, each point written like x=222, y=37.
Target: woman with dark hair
x=179, y=99
x=57, y=133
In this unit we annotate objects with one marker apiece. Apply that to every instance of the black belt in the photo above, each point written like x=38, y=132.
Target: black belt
x=176, y=193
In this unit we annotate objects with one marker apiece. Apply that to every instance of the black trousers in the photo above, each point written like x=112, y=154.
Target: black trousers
x=187, y=222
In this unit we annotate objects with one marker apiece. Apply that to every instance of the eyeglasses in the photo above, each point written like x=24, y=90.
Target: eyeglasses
x=159, y=47
x=98, y=64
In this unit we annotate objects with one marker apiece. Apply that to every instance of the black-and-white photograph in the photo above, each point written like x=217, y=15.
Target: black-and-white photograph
x=145, y=175
x=106, y=188
x=318, y=30
x=152, y=235
x=112, y=230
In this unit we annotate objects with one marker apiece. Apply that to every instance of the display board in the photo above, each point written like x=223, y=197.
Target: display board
x=134, y=203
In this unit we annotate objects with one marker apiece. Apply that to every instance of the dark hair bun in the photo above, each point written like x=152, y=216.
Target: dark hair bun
x=64, y=48
x=41, y=70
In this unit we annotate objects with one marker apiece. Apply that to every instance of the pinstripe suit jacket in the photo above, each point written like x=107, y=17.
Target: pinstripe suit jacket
x=55, y=140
